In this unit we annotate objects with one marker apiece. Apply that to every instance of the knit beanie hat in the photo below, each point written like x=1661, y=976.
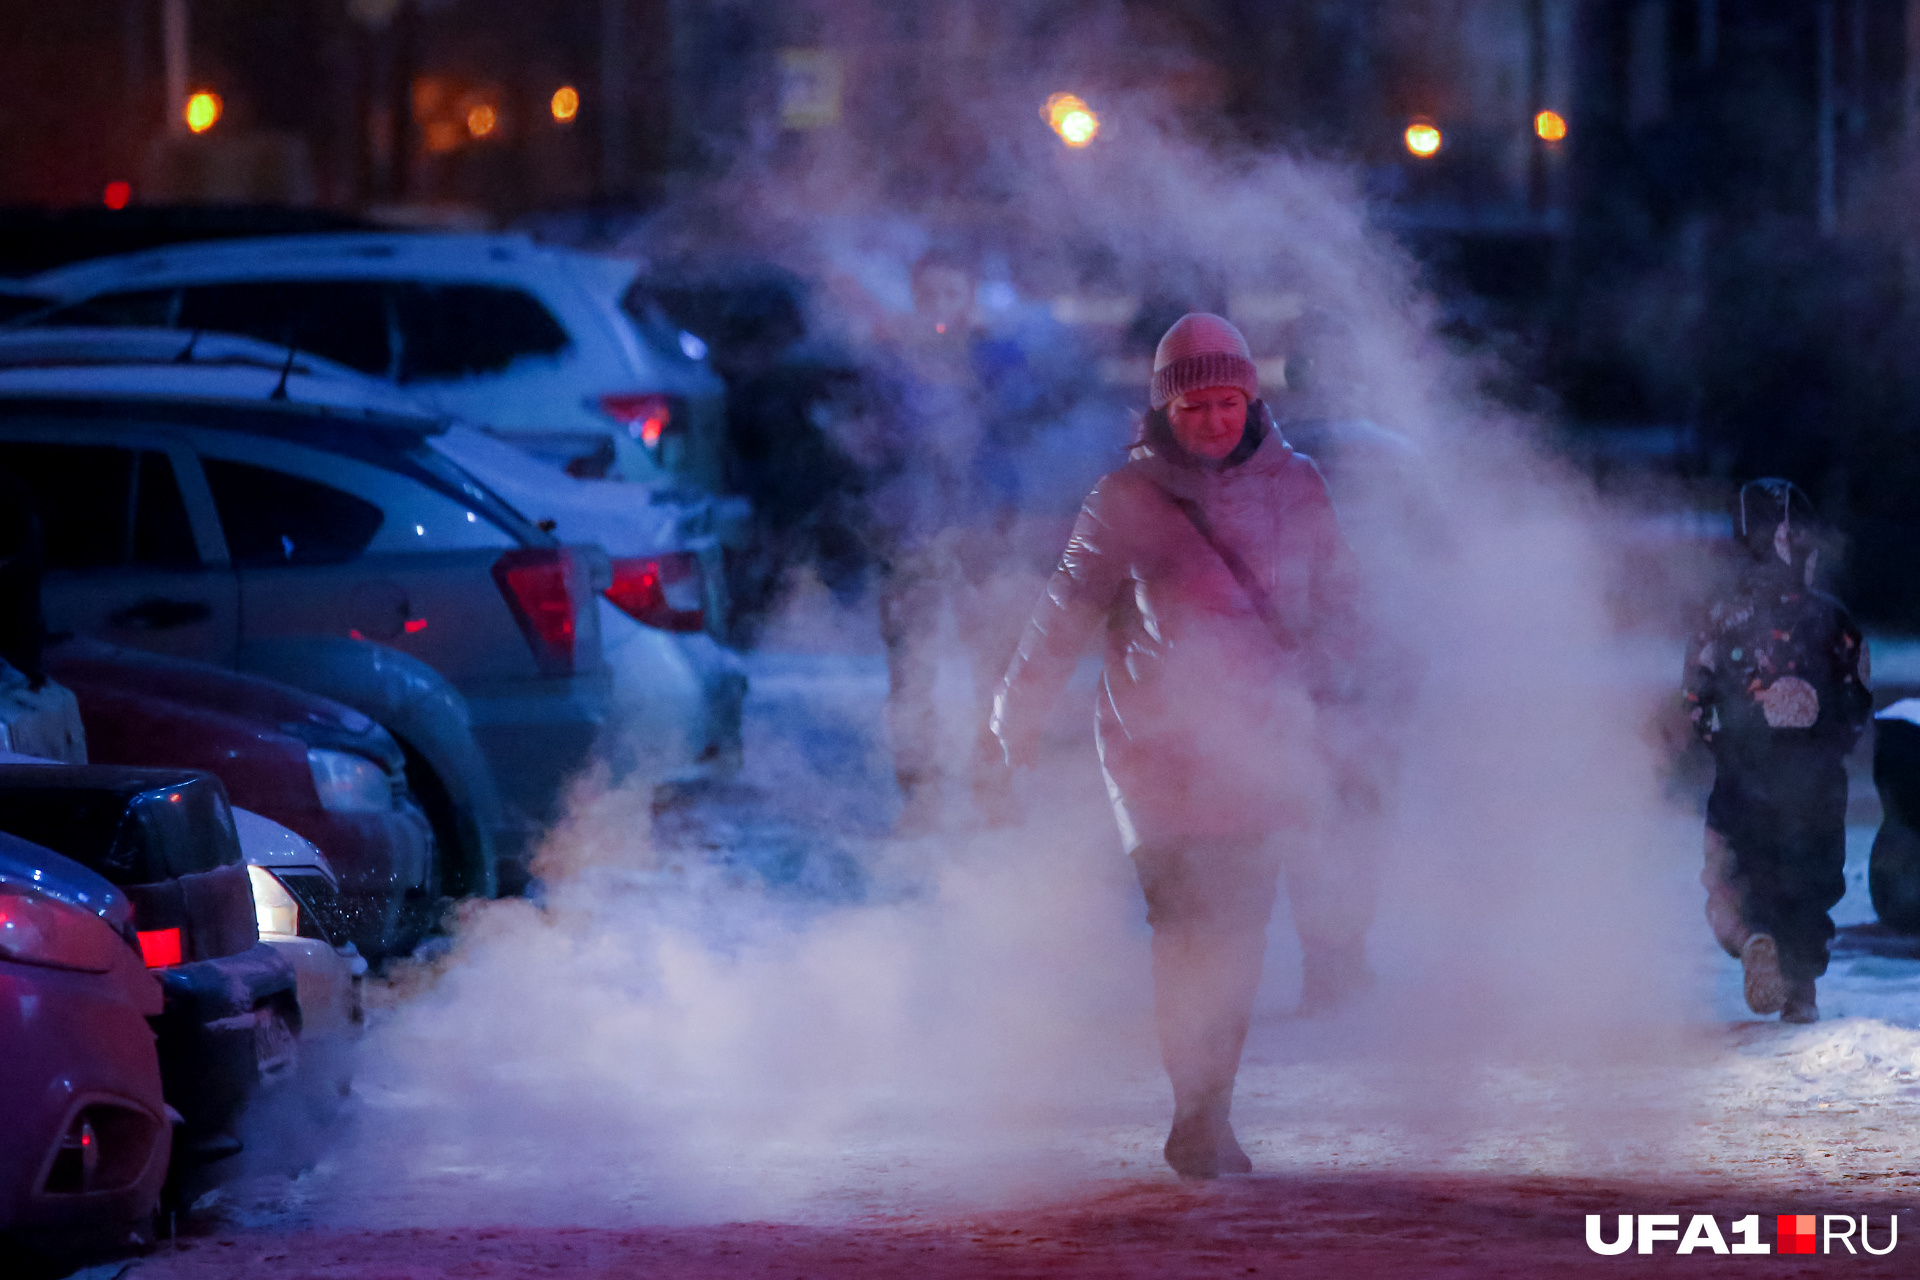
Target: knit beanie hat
x=1201, y=350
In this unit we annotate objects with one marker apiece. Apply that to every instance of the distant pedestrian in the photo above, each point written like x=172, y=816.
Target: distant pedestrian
x=1214, y=567
x=942, y=493
x=1777, y=682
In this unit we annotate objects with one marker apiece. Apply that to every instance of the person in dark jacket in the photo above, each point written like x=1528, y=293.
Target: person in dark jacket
x=1228, y=599
x=941, y=494
x=1776, y=680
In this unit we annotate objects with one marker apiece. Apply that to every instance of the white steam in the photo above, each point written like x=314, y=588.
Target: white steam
x=656, y=1042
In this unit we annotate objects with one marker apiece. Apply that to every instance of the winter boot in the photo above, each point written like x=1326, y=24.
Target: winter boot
x=1800, y=1006
x=1192, y=1147
x=1232, y=1158
x=1765, y=986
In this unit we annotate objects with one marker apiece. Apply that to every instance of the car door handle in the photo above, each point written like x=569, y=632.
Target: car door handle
x=157, y=613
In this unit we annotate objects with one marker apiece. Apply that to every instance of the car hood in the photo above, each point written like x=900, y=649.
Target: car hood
x=317, y=721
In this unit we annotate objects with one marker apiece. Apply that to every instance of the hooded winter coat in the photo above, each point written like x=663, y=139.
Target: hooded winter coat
x=1205, y=720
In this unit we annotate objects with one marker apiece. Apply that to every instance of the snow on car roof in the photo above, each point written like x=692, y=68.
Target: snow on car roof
x=364, y=254
x=228, y=384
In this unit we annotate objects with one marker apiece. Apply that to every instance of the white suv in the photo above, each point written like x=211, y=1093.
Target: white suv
x=551, y=348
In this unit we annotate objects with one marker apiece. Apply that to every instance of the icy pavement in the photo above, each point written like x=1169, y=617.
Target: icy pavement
x=641, y=1051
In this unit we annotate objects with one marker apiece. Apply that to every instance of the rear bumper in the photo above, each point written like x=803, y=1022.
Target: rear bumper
x=209, y=1061
x=536, y=735
x=677, y=702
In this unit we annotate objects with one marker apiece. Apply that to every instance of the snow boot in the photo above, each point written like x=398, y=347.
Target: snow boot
x=1765, y=986
x=1192, y=1147
x=1800, y=1006
x=1232, y=1158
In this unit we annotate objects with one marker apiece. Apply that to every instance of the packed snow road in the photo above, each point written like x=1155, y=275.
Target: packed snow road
x=767, y=1040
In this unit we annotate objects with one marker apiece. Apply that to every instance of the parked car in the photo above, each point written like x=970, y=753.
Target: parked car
x=86, y=1130
x=296, y=909
x=312, y=764
x=203, y=512
x=679, y=692
x=1893, y=868
x=547, y=346
x=165, y=838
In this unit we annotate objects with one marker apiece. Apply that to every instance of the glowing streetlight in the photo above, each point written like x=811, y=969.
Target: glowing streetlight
x=481, y=120
x=203, y=110
x=1550, y=125
x=1423, y=138
x=1071, y=118
x=566, y=104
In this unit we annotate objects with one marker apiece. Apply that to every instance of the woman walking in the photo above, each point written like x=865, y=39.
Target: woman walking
x=1229, y=600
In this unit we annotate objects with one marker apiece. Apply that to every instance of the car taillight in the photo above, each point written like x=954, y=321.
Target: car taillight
x=539, y=586
x=665, y=591
x=160, y=947
x=646, y=417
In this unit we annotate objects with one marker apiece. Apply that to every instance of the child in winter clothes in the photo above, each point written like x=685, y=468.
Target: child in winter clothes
x=1777, y=682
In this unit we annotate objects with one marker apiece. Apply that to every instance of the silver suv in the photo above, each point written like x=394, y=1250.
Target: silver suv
x=198, y=511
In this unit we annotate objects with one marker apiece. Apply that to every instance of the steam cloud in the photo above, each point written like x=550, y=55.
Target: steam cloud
x=661, y=1043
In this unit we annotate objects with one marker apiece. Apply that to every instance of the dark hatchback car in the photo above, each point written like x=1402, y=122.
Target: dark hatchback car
x=84, y=1130
x=309, y=763
x=165, y=838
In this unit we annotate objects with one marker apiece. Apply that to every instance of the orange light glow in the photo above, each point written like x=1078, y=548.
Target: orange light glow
x=1423, y=138
x=1550, y=125
x=117, y=195
x=481, y=120
x=1071, y=118
x=203, y=110
x=566, y=104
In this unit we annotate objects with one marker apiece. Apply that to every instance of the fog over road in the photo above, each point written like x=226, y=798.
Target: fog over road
x=779, y=1137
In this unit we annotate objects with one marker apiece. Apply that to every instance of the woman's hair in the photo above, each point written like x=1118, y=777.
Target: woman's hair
x=1155, y=430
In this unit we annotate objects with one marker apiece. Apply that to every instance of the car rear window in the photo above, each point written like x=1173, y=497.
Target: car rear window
x=459, y=330
x=130, y=837
x=343, y=320
x=272, y=518
x=102, y=506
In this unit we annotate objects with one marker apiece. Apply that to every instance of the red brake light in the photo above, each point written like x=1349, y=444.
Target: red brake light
x=665, y=592
x=646, y=417
x=539, y=586
x=160, y=947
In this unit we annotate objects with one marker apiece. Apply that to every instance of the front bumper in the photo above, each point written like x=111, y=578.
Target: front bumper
x=380, y=858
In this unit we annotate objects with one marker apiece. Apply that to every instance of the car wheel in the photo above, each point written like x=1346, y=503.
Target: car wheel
x=1893, y=877
x=425, y=908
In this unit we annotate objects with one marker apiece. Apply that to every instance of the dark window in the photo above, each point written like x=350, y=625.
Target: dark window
x=145, y=308
x=162, y=534
x=343, y=320
x=102, y=507
x=457, y=330
x=272, y=518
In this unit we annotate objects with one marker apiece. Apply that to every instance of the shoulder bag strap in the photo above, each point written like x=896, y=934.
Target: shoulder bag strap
x=1283, y=635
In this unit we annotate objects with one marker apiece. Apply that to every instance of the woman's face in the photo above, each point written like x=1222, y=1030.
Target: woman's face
x=1209, y=422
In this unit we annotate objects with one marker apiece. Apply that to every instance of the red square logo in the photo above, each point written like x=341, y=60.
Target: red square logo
x=1794, y=1233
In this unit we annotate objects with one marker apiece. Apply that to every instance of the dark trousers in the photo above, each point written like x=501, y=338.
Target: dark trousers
x=1208, y=902
x=1777, y=853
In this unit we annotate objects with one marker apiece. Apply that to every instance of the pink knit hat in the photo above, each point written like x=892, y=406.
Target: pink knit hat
x=1201, y=350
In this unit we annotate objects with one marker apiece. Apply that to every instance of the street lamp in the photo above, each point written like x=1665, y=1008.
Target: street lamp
x=202, y=111
x=1071, y=118
x=566, y=104
x=1551, y=126
x=1423, y=137
x=481, y=119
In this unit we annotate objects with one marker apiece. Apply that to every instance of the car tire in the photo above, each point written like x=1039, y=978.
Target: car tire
x=1893, y=876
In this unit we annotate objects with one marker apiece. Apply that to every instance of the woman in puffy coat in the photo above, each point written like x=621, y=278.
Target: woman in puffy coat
x=1230, y=603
